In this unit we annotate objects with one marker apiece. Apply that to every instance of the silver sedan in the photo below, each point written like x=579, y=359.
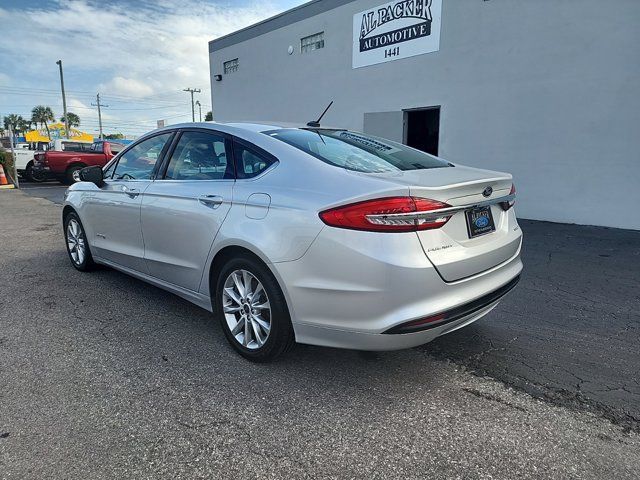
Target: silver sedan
x=311, y=235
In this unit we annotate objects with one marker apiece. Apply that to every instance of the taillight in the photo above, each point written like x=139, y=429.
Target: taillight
x=510, y=203
x=391, y=214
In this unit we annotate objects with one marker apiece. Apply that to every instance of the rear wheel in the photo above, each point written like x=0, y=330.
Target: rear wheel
x=68, y=177
x=77, y=245
x=34, y=176
x=252, y=310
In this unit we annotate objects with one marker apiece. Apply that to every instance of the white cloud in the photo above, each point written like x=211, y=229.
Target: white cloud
x=127, y=86
x=137, y=49
x=140, y=44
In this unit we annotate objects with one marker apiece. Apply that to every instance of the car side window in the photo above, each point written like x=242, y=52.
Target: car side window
x=115, y=148
x=249, y=162
x=108, y=173
x=200, y=156
x=137, y=163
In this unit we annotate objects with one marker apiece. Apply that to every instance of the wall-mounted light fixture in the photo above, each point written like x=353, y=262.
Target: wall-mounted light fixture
x=217, y=78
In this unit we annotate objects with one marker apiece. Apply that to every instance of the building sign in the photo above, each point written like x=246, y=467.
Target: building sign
x=56, y=131
x=396, y=30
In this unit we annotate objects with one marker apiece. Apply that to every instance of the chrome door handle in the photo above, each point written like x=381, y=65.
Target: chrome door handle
x=212, y=201
x=132, y=192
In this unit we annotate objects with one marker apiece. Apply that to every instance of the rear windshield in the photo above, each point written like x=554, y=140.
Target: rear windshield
x=357, y=151
x=75, y=146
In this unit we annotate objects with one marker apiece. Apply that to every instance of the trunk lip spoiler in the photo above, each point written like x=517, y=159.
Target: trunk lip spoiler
x=441, y=212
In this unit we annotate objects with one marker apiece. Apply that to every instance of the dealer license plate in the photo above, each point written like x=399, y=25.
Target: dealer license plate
x=479, y=221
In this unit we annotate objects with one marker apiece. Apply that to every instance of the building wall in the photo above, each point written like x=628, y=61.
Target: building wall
x=548, y=90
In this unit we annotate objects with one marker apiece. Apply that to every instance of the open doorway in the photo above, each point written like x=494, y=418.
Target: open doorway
x=422, y=129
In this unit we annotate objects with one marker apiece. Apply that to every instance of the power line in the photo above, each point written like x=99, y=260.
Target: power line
x=116, y=98
x=87, y=93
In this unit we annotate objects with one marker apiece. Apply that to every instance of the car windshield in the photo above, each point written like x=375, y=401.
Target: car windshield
x=357, y=151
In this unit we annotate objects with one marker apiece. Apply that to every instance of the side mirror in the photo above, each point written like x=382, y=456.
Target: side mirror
x=91, y=174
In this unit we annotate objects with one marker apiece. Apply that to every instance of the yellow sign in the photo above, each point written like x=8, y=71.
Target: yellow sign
x=57, y=131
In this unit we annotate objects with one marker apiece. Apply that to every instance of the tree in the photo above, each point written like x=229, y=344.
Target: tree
x=208, y=117
x=42, y=114
x=24, y=125
x=74, y=120
x=16, y=122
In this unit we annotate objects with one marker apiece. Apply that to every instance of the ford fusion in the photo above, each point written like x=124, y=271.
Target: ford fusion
x=311, y=235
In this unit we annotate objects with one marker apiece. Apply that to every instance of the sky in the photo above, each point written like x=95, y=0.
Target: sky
x=138, y=54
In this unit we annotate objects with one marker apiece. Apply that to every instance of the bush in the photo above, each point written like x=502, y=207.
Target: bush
x=6, y=159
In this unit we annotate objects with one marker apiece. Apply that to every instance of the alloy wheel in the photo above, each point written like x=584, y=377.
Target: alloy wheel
x=76, y=242
x=246, y=309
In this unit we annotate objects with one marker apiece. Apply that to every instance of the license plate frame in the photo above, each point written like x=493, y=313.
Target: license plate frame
x=476, y=226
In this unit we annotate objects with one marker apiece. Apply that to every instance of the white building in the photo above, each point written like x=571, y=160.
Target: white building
x=548, y=90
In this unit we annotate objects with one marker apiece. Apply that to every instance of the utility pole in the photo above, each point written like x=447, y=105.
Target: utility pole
x=193, y=110
x=64, y=100
x=16, y=182
x=99, y=105
x=199, y=109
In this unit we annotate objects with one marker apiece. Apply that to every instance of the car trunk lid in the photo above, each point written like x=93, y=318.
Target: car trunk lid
x=449, y=248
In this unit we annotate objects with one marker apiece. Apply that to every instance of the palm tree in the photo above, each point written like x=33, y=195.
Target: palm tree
x=14, y=121
x=74, y=120
x=23, y=125
x=42, y=114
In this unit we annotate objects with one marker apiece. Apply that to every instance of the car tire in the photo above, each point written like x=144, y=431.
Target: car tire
x=31, y=176
x=68, y=176
x=262, y=305
x=76, y=242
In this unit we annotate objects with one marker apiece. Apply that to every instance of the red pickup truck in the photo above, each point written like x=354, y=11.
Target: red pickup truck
x=62, y=165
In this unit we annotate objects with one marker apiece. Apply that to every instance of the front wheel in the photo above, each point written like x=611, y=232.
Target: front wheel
x=252, y=310
x=77, y=245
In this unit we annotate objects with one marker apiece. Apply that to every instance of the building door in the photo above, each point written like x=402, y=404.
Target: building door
x=422, y=129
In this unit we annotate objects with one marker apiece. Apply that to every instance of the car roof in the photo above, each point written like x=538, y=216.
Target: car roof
x=257, y=127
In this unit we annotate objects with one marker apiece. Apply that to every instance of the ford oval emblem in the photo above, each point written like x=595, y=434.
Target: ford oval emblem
x=482, y=222
x=487, y=192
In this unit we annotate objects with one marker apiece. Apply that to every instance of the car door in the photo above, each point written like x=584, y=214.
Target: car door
x=184, y=207
x=115, y=208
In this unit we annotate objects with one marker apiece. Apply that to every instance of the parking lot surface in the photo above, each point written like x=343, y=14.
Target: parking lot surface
x=103, y=376
x=51, y=190
x=570, y=332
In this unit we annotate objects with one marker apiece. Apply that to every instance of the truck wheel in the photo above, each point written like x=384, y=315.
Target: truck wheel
x=68, y=177
x=34, y=176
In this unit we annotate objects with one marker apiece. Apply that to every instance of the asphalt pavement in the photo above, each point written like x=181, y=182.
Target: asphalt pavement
x=569, y=333
x=572, y=334
x=51, y=190
x=104, y=376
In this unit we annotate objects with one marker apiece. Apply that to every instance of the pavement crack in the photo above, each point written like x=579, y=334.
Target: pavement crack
x=493, y=398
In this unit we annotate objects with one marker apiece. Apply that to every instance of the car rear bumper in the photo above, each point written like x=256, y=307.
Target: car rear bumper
x=351, y=288
x=331, y=337
x=43, y=171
